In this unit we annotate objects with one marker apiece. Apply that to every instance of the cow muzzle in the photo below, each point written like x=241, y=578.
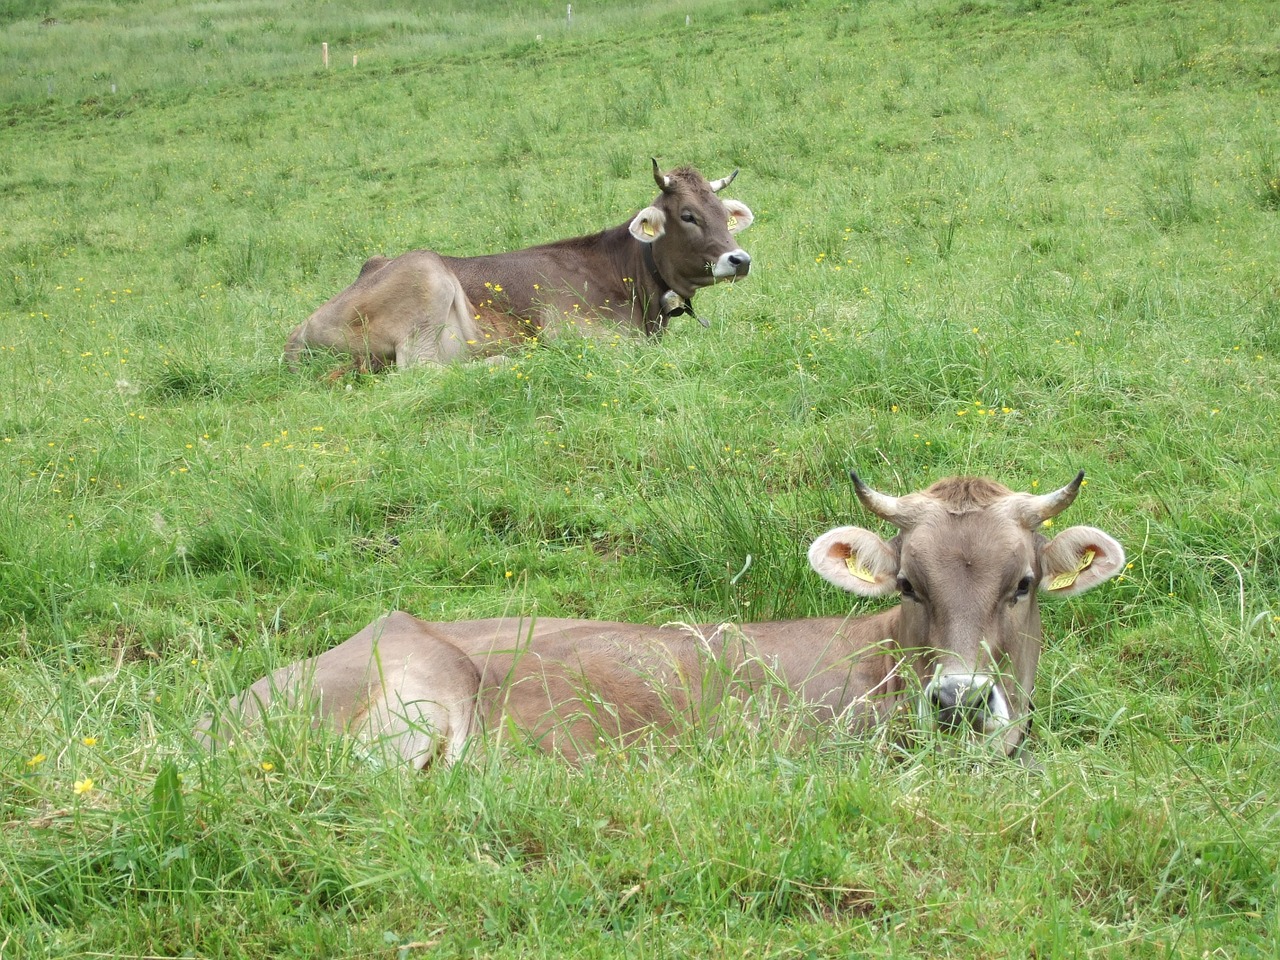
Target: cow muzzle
x=731, y=265
x=958, y=702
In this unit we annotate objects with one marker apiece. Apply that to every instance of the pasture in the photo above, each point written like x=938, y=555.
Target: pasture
x=1004, y=237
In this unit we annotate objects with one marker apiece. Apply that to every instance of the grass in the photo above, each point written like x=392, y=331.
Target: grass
x=1004, y=238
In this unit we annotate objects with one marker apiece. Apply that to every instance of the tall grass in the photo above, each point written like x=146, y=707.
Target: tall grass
x=1010, y=239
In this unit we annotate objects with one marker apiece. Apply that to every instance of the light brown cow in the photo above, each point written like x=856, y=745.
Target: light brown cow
x=968, y=562
x=424, y=307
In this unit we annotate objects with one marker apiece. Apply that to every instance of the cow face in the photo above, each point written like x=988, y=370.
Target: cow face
x=968, y=563
x=691, y=231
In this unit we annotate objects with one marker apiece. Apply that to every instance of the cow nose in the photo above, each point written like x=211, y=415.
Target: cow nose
x=962, y=701
x=731, y=264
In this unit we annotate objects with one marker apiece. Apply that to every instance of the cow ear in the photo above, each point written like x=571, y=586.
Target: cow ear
x=856, y=560
x=1078, y=559
x=740, y=215
x=649, y=224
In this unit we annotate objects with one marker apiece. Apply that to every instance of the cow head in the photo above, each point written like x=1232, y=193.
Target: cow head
x=968, y=563
x=690, y=231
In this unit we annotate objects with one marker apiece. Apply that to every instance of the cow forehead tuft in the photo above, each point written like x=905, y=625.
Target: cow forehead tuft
x=688, y=176
x=967, y=493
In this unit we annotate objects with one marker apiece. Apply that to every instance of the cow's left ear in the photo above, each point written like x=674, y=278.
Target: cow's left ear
x=1078, y=559
x=649, y=224
x=740, y=215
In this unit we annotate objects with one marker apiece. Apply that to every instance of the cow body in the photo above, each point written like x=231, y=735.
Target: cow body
x=965, y=640
x=424, y=307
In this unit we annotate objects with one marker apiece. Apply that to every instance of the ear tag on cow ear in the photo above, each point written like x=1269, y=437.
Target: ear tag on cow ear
x=733, y=221
x=858, y=570
x=1064, y=580
x=647, y=227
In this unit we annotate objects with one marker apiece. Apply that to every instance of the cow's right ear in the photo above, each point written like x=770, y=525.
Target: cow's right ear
x=856, y=560
x=649, y=224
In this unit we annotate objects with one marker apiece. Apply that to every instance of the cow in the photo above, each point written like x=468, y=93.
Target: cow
x=423, y=307
x=963, y=643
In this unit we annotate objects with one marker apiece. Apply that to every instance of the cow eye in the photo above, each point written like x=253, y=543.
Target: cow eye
x=688, y=217
x=1024, y=587
x=906, y=589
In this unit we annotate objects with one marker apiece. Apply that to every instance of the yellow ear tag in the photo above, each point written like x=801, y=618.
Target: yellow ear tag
x=858, y=570
x=647, y=227
x=1064, y=580
x=733, y=222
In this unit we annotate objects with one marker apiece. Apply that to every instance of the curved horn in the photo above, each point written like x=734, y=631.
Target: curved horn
x=660, y=178
x=882, y=505
x=718, y=185
x=1037, y=509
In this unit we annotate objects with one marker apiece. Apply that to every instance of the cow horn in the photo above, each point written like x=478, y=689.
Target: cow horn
x=660, y=178
x=882, y=505
x=718, y=185
x=1037, y=509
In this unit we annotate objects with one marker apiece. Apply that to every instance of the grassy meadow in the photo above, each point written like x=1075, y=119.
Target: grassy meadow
x=1005, y=237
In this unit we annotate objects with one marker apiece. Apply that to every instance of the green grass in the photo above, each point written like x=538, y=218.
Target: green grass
x=1009, y=238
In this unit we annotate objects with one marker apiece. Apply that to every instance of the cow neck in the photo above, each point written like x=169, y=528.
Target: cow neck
x=670, y=303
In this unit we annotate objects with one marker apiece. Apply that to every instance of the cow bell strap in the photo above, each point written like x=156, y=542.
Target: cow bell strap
x=670, y=303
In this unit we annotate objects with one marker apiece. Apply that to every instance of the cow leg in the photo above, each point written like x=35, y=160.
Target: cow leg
x=362, y=363
x=283, y=687
x=408, y=310
x=296, y=347
x=408, y=693
x=347, y=339
x=419, y=713
x=444, y=329
x=423, y=713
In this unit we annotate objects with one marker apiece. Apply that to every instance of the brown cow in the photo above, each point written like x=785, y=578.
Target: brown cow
x=424, y=307
x=968, y=562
